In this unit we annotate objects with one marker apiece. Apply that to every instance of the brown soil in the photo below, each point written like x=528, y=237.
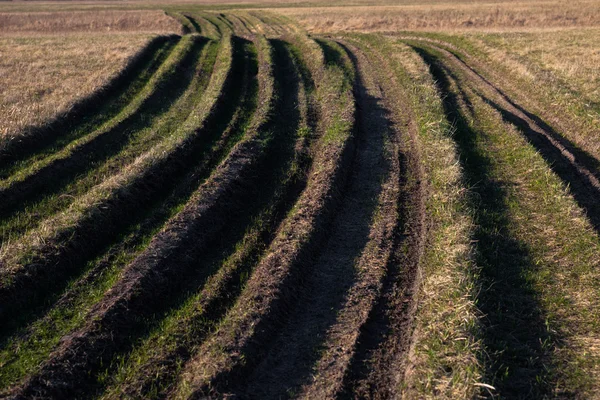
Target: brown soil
x=348, y=271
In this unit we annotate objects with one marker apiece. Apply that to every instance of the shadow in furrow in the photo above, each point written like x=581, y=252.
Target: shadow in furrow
x=384, y=337
x=288, y=360
x=194, y=23
x=148, y=207
x=516, y=337
x=281, y=187
x=577, y=168
x=262, y=190
x=586, y=194
x=284, y=124
x=54, y=177
x=580, y=155
x=184, y=268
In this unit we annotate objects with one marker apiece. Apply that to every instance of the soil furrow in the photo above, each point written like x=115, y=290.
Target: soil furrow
x=215, y=24
x=195, y=25
x=95, y=219
x=240, y=25
x=86, y=114
x=186, y=25
x=348, y=271
x=385, y=336
x=218, y=138
x=227, y=357
x=157, y=271
x=209, y=28
x=170, y=347
x=30, y=279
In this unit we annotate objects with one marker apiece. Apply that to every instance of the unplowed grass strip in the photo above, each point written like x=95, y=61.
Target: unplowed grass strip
x=228, y=354
x=196, y=28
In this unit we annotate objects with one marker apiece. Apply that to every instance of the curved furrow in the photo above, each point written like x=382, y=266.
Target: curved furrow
x=386, y=334
x=247, y=21
x=43, y=257
x=186, y=24
x=86, y=115
x=49, y=185
x=26, y=350
x=240, y=26
x=273, y=22
x=160, y=269
x=577, y=168
x=209, y=28
x=195, y=25
x=225, y=359
x=258, y=26
x=218, y=26
x=225, y=21
x=153, y=367
x=348, y=271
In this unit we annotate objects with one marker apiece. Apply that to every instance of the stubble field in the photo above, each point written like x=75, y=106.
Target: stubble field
x=299, y=201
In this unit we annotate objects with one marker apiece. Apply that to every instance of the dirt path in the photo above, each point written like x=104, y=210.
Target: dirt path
x=386, y=336
x=336, y=298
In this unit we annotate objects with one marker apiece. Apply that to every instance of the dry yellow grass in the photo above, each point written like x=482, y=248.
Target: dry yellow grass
x=572, y=56
x=42, y=76
x=448, y=16
x=152, y=21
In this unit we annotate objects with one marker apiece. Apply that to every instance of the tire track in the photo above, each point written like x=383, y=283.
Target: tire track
x=228, y=356
x=385, y=337
x=349, y=269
